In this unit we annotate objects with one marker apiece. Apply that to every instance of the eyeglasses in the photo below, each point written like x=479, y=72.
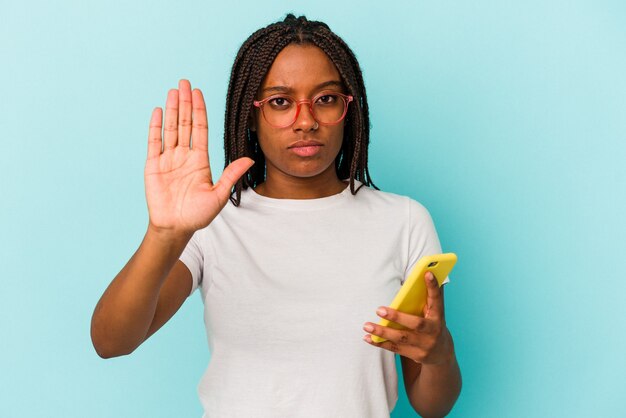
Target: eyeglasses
x=327, y=108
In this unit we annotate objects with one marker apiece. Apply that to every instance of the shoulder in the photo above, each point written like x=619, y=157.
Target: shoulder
x=388, y=199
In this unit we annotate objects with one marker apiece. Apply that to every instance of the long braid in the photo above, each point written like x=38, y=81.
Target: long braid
x=252, y=63
x=354, y=83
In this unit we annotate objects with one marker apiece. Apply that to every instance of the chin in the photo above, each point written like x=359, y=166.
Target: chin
x=307, y=171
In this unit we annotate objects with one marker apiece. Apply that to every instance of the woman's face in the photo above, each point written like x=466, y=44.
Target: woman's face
x=300, y=71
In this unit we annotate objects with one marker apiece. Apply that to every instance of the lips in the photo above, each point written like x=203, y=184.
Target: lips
x=306, y=148
x=302, y=143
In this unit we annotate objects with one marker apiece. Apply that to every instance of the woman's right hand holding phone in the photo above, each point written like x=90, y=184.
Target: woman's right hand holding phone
x=180, y=192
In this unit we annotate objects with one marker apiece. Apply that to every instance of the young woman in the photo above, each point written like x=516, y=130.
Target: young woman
x=293, y=248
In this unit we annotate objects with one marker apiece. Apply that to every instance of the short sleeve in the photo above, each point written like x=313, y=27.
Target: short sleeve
x=193, y=258
x=423, y=239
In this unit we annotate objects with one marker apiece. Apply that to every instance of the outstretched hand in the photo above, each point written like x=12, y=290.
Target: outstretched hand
x=425, y=340
x=180, y=192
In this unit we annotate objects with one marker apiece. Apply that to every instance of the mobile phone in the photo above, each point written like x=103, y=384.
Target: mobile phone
x=411, y=298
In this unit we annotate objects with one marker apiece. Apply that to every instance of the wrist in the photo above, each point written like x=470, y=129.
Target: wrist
x=168, y=235
x=445, y=362
x=446, y=357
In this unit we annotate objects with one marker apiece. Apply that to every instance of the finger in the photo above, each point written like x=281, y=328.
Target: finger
x=200, y=127
x=434, y=300
x=231, y=174
x=154, y=133
x=170, y=130
x=394, y=335
x=184, y=113
x=411, y=322
x=409, y=351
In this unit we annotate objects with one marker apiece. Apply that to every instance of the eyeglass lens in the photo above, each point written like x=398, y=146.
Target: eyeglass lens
x=282, y=110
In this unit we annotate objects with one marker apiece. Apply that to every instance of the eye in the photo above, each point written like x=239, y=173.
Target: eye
x=279, y=102
x=327, y=99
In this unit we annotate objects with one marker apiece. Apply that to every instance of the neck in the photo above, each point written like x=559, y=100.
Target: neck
x=288, y=187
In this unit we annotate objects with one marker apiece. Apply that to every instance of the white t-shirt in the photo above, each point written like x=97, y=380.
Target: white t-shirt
x=287, y=286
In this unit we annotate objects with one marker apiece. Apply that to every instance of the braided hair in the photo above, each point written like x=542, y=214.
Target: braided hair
x=252, y=63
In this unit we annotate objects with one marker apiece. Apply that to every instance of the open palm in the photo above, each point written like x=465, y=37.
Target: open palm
x=180, y=191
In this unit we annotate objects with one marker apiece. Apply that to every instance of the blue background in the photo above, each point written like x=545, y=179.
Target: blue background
x=506, y=119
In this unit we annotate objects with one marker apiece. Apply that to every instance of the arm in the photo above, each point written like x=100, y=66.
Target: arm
x=432, y=376
x=432, y=389
x=181, y=199
x=144, y=295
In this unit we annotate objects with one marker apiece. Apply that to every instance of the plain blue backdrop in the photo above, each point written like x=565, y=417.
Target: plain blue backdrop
x=507, y=120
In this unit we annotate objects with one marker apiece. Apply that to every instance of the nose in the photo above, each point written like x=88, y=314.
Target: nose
x=304, y=118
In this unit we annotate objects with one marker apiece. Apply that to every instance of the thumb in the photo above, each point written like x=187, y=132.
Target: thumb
x=434, y=298
x=231, y=174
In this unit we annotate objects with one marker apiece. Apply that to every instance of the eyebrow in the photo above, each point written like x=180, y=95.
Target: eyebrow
x=334, y=83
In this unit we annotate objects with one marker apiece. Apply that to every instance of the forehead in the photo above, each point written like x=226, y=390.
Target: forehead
x=301, y=67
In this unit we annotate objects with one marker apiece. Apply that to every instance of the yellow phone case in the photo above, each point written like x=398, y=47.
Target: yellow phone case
x=411, y=298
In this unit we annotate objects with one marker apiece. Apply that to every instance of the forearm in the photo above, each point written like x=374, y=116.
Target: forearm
x=123, y=315
x=436, y=388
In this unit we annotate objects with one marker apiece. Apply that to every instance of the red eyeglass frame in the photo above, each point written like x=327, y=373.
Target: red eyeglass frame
x=347, y=100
